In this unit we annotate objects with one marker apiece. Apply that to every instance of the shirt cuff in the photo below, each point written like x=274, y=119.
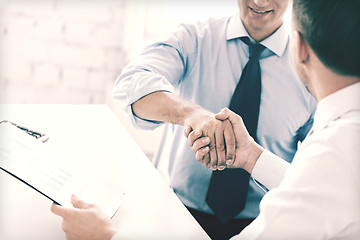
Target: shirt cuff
x=143, y=123
x=269, y=169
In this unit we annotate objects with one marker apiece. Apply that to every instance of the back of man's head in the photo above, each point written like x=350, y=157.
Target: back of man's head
x=332, y=29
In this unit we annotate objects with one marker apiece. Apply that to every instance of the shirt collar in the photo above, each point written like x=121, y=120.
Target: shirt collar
x=276, y=42
x=336, y=105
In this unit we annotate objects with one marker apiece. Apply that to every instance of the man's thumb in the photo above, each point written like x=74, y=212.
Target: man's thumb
x=78, y=203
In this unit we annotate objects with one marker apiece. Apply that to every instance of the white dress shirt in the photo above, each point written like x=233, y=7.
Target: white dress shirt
x=319, y=195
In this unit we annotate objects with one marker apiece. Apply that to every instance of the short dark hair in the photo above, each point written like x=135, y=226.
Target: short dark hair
x=332, y=29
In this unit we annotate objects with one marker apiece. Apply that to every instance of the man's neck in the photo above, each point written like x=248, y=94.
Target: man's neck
x=333, y=82
x=260, y=34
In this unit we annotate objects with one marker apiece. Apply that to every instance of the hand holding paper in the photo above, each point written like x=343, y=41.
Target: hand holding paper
x=84, y=221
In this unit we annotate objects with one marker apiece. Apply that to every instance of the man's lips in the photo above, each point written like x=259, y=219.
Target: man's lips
x=260, y=11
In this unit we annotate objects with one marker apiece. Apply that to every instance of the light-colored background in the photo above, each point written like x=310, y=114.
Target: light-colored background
x=71, y=51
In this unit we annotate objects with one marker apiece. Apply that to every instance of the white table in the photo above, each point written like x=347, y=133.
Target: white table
x=91, y=137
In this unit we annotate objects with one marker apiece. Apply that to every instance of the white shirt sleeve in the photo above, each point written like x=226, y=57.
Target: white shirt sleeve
x=269, y=169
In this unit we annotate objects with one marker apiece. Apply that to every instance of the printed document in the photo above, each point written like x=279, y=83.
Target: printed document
x=28, y=159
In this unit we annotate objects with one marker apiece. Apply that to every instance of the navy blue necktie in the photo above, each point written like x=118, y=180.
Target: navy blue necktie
x=228, y=189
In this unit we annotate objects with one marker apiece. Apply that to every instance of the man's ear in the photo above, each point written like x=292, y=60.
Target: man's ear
x=301, y=48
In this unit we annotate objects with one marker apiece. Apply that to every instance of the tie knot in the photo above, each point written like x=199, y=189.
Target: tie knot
x=255, y=49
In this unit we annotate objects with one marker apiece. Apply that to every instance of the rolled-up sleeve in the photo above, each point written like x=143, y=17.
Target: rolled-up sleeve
x=160, y=67
x=133, y=87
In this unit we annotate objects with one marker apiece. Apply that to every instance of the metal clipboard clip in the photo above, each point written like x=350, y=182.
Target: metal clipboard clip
x=38, y=135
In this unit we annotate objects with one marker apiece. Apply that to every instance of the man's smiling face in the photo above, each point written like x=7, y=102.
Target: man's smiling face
x=262, y=15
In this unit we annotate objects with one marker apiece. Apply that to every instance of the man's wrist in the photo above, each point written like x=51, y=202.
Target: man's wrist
x=193, y=113
x=175, y=109
x=255, y=150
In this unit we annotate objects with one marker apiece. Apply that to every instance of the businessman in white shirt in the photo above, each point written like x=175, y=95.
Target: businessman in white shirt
x=318, y=195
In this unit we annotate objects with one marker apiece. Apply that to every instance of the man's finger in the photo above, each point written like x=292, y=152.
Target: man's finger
x=200, y=154
x=78, y=203
x=223, y=114
x=193, y=136
x=226, y=113
x=59, y=210
x=220, y=147
x=206, y=160
x=200, y=143
x=212, y=160
x=187, y=131
x=230, y=143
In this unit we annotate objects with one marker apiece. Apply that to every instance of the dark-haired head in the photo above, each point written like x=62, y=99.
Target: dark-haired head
x=332, y=30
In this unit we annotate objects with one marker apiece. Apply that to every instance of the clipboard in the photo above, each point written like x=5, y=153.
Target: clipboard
x=23, y=155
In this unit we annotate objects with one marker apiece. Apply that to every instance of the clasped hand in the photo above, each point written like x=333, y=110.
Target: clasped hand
x=217, y=135
x=223, y=142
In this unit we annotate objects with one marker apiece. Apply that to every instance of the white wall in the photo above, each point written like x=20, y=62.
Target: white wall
x=56, y=51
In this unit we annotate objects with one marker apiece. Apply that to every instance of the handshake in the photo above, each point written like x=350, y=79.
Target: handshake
x=221, y=141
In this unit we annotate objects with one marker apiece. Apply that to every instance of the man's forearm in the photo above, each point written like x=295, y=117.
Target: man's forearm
x=165, y=107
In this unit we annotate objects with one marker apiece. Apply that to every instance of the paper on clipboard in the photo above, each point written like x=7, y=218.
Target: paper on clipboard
x=27, y=159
